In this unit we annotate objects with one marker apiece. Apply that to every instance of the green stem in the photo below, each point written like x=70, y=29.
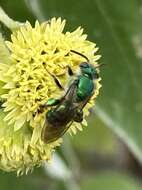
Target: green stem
x=11, y=24
x=71, y=156
x=59, y=170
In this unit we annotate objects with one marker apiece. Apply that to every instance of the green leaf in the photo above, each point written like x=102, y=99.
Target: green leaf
x=116, y=27
x=110, y=181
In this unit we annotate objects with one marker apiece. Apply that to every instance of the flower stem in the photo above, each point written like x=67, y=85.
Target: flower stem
x=58, y=170
x=7, y=21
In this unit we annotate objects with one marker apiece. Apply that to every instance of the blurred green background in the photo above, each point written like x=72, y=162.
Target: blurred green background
x=107, y=155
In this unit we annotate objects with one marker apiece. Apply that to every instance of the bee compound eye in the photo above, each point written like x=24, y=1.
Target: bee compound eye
x=84, y=65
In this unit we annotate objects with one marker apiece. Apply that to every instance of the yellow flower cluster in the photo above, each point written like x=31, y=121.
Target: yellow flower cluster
x=26, y=85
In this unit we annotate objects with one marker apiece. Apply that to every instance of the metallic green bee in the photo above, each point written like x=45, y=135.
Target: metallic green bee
x=69, y=108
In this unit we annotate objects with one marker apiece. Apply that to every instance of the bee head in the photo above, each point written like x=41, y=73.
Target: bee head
x=88, y=69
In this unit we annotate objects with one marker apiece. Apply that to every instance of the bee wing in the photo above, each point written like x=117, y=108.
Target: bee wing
x=83, y=103
x=51, y=133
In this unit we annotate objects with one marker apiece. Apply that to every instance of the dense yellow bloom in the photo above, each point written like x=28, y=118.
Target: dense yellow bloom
x=27, y=85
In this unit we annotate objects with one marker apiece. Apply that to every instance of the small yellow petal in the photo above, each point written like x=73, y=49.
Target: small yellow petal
x=9, y=85
x=19, y=123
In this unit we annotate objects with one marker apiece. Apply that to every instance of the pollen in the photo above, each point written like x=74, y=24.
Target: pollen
x=36, y=52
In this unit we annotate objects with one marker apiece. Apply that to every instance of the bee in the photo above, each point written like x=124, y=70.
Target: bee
x=69, y=108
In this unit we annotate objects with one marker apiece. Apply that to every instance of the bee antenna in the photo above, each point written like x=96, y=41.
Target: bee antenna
x=73, y=51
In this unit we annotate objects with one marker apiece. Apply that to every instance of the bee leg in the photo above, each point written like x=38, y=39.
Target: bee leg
x=53, y=102
x=57, y=82
x=55, y=79
x=78, y=116
x=70, y=92
x=70, y=71
x=50, y=102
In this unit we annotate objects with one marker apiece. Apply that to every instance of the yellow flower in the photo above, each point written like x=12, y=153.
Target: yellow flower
x=27, y=85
